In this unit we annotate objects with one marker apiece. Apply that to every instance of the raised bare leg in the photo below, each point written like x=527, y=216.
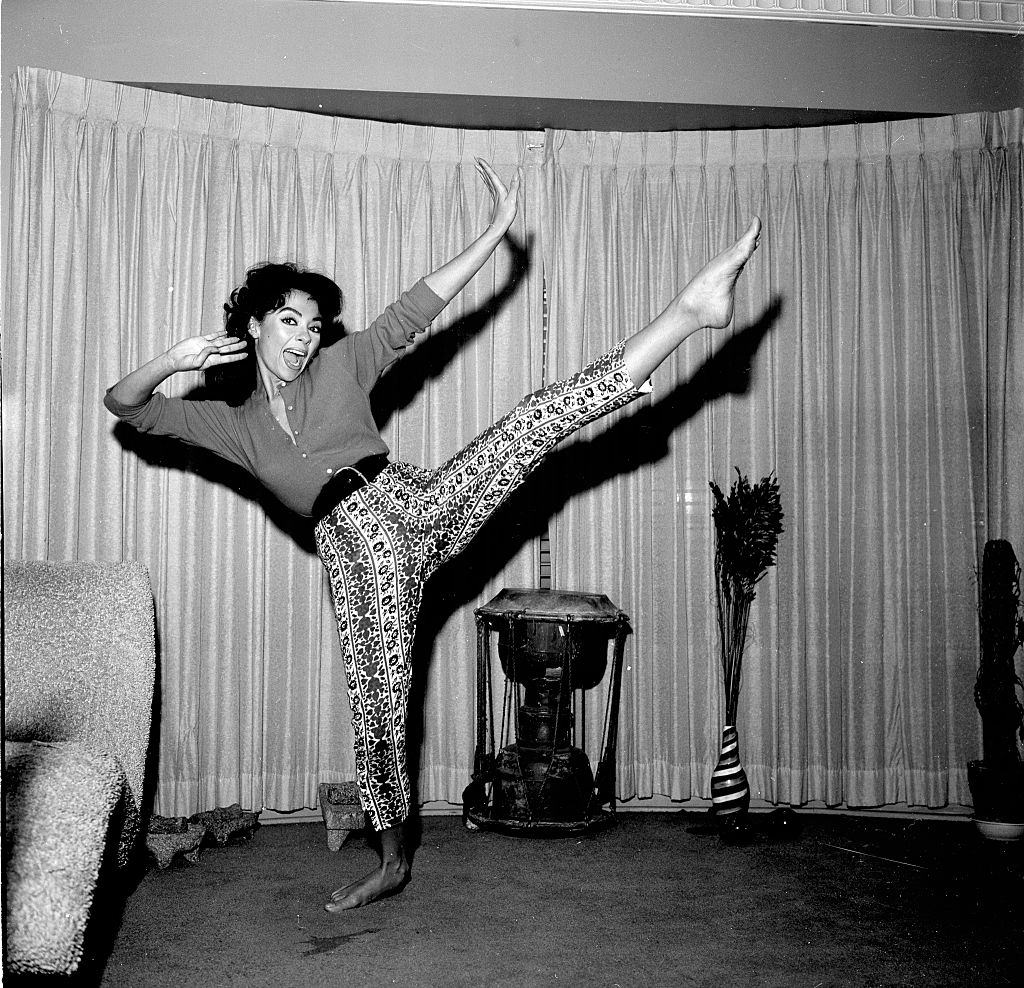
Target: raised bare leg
x=705, y=302
x=391, y=877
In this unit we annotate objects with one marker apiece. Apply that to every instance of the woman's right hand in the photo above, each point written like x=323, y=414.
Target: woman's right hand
x=505, y=199
x=200, y=353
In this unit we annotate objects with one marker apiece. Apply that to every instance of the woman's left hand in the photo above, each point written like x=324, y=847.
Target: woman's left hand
x=506, y=198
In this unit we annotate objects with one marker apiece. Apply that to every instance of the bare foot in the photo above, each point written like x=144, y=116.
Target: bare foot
x=706, y=302
x=387, y=880
x=710, y=295
x=391, y=877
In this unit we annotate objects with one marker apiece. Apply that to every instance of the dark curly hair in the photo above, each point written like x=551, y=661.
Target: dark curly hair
x=265, y=289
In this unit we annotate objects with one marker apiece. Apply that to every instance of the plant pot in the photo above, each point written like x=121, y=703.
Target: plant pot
x=997, y=793
x=730, y=794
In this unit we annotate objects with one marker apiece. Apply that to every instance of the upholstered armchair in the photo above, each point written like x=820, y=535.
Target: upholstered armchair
x=79, y=670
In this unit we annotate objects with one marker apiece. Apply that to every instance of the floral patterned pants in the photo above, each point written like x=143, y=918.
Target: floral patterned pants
x=381, y=543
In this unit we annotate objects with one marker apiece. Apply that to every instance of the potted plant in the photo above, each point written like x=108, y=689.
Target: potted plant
x=997, y=779
x=747, y=527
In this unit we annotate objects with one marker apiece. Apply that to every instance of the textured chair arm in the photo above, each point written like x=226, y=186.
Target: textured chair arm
x=80, y=658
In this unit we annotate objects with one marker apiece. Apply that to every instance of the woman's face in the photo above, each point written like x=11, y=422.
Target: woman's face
x=287, y=338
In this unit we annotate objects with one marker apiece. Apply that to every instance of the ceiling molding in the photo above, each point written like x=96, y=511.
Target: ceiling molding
x=962, y=15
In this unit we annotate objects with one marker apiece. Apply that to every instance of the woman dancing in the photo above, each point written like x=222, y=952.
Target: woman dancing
x=382, y=528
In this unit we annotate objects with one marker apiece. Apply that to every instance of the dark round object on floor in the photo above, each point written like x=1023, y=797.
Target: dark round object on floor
x=782, y=824
x=737, y=829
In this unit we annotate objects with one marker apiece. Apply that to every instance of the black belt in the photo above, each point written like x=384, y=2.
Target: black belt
x=346, y=482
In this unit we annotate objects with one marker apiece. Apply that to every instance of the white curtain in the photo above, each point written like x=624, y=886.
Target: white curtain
x=875, y=365
x=134, y=214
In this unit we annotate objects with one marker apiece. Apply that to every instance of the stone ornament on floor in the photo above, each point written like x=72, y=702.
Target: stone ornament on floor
x=342, y=811
x=169, y=837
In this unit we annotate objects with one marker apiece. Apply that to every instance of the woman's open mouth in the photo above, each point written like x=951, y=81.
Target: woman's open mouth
x=294, y=358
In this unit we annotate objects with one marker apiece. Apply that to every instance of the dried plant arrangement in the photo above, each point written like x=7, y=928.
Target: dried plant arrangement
x=748, y=524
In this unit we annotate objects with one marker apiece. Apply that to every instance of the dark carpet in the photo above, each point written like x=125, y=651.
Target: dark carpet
x=656, y=900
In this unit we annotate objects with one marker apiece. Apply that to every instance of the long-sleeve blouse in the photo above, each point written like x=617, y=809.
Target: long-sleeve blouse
x=328, y=408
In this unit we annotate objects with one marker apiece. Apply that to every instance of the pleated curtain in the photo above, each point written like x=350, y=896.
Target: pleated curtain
x=134, y=214
x=874, y=365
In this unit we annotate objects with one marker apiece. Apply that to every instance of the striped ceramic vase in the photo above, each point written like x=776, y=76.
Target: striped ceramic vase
x=729, y=790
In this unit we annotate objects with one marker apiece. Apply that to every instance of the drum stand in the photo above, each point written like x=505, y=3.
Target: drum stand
x=553, y=649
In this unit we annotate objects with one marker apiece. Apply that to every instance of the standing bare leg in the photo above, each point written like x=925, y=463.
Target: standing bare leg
x=391, y=877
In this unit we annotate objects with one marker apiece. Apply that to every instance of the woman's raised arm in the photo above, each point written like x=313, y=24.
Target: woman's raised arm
x=191, y=354
x=449, y=279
